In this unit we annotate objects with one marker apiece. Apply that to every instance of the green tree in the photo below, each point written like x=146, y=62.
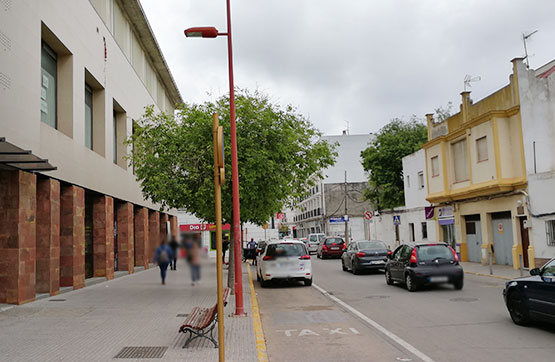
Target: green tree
x=383, y=160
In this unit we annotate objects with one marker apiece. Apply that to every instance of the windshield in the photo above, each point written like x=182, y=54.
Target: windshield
x=371, y=245
x=320, y=237
x=332, y=241
x=313, y=238
x=285, y=249
x=549, y=269
x=432, y=252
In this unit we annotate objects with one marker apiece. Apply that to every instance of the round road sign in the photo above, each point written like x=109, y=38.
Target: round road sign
x=368, y=215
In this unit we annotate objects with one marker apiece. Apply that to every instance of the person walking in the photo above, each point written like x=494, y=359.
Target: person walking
x=194, y=262
x=251, y=246
x=225, y=245
x=173, y=261
x=162, y=257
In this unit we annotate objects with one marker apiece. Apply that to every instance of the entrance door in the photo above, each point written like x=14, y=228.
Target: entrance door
x=448, y=232
x=502, y=237
x=525, y=241
x=474, y=238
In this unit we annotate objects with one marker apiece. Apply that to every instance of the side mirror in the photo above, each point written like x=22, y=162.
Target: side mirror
x=535, y=271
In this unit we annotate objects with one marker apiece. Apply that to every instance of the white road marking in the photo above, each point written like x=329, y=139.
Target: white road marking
x=307, y=332
x=287, y=331
x=354, y=331
x=377, y=326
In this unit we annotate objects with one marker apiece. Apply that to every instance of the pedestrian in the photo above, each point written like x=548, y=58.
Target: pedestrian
x=225, y=245
x=194, y=262
x=162, y=257
x=251, y=247
x=173, y=261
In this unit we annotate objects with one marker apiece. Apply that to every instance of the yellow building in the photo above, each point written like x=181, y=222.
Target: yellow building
x=477, y=178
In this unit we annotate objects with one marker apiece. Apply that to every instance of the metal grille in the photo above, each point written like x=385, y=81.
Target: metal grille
x=142, y=352
x=550, y=229
x=183, y=315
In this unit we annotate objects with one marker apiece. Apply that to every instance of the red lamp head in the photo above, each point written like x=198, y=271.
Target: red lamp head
x=201, y=32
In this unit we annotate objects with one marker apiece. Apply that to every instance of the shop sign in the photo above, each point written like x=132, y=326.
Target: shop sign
x=201, y=227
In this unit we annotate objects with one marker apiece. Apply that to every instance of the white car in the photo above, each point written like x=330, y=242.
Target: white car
x=313, y=242
x=285, y=260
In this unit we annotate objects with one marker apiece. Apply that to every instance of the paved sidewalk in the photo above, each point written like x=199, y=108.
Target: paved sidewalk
x=96, y=322
x=505, y=272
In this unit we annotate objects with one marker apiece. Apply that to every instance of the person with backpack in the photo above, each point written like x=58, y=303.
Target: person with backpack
x=162, y=257
x=174, y=245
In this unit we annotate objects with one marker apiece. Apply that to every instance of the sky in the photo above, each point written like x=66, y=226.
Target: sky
x=353, y=64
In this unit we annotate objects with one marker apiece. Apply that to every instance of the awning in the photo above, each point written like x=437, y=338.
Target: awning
x=15, y=158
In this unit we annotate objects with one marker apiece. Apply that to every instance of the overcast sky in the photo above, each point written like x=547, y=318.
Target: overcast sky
x=357, y=61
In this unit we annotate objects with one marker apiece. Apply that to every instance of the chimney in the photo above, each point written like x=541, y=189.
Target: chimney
x=344, y=132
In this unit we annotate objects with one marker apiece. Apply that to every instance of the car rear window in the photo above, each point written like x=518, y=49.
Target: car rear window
x=333, y=240
x=371, y=245
x=313, y=238
x=286, y=249
x=432, y=252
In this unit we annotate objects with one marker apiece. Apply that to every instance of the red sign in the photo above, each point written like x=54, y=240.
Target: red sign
x=280, y=216
x=201, y=227
x=368, y=215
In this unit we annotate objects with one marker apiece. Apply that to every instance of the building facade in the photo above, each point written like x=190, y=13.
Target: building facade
x=479, y=162
x=74, y=75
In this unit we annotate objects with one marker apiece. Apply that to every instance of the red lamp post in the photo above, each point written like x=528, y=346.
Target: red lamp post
x=211, y=32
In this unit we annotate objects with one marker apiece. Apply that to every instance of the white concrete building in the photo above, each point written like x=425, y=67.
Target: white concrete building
x=537, y=107
x=413, y=225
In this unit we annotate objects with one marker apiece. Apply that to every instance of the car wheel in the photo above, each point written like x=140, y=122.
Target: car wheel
x=343, y=266
x=410, y=283
x=318, y=256
x=308, y=282
x=257, y=276
x=356, y=271
x=459, y=284
x=388, y=279
x=264, y=283
x=517, y=309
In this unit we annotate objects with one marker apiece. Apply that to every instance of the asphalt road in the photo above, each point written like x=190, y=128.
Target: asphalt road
x=435, y=324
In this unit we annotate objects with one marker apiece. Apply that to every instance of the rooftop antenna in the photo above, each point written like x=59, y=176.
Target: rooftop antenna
x=524, y=38
x=347, y=123
x=468, y=79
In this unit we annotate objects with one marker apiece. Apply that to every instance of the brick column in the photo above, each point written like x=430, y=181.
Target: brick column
x=18, y=206
x=103, y=237
x=48, y=236
x=164, y=226
x=72, y=237
x=173, y=227
x=126, y=257
x=142, y=237
x=154, y=230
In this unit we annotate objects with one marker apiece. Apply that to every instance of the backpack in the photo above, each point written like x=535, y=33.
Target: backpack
x=163, y=257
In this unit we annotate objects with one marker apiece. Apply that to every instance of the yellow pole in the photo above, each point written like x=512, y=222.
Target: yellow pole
x=218, y=205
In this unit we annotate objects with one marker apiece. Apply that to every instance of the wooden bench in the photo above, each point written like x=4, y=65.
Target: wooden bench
x=200, y=323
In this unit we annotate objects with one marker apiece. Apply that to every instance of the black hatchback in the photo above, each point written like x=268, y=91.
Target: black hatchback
x=533, y=297
x=424, y=264
x=366, y=254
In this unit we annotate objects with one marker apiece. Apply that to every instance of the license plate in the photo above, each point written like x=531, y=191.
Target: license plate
x=334, y=248
x=377, y=262
x=438, y=279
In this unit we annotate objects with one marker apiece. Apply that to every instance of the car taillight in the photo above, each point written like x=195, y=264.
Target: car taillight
x=413, y=258
x=389, y=252
x=334, y=244
x=454, y=254
x=267, y=257
x=360, y=254
x=344, y=246
x=305, y=257
x=258, y=250
x=324, y=247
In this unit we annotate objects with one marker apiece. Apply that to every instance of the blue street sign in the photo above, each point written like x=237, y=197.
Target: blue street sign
x=338, y=219
x=396, y=219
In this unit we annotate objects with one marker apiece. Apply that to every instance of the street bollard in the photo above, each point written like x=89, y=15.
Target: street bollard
x=520, y=261
x=490, y=262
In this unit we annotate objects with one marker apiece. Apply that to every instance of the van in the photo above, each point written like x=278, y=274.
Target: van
x=314, y=241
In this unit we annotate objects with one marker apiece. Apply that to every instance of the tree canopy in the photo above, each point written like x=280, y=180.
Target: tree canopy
x=383, y=160
x=280, y=155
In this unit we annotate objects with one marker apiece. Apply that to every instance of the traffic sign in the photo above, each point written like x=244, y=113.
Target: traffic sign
x=396, y=219
x=368, y=215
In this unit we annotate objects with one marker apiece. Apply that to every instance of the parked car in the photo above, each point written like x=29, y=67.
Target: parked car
x=314, y=241
x=423, y=264
x=365, y=254
x=284, y=260
x=532, y=298
x=330, y=247
x=259, y=249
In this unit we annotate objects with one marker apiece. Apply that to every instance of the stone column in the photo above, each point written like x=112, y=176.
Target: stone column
x=173, y=227
x=142, y=237
x=154, y=229
x=164, y=226
x=18, y=206
x=48, y=236
x=126, y=258
x=72, y=237
x=103, y=237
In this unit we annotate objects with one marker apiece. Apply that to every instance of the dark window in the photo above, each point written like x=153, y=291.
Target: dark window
x=371, y=245
x=432, y=252
x=470, y=228
x=286, y=249
x=424, y=230
x=331, y=241
x=49, y=86
x=88, y=117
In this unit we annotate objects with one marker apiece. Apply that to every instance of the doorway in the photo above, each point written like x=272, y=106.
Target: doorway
x=525, y=241
x=474, y=237
x=502, y=231
x=448, y=233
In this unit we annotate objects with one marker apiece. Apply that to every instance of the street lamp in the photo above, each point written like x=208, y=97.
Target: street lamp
x=212, y=32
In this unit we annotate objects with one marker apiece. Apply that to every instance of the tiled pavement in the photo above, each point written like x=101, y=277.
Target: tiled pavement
x=96, y=322
x=505, y=272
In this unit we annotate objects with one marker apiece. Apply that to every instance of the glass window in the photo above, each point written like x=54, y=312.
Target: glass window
x=421, y=180
x=286, y=249
x=550, y=228
x=432, y=252
x=482, y=148
x=408, y=181
x=424, y=230
x=115, y=145
x=460, y=160
x=549, y=269
x=371, y=245
x=49, y=85
x=88, y=117
x=332, y=241
x=435, y=166
x=405, y=254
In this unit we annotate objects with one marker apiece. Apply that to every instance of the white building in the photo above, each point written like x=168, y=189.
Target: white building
x=322, y=211
x=537, y=107
x=412, y=223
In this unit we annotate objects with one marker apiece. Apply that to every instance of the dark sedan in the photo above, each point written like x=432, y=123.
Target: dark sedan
x=367, y=254
x=424, y=264
x=532, y=298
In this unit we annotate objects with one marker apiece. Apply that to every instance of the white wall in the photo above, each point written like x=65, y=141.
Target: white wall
x=415, y=196
x=348, y=158
x=382, y=227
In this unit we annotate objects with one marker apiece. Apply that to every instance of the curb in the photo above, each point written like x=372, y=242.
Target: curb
x=488, y=275
x=257, y=323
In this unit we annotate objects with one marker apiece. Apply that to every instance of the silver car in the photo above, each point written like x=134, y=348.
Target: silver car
x=314, y=241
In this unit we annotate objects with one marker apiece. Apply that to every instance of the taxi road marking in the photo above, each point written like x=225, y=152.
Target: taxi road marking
x=309, y=332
